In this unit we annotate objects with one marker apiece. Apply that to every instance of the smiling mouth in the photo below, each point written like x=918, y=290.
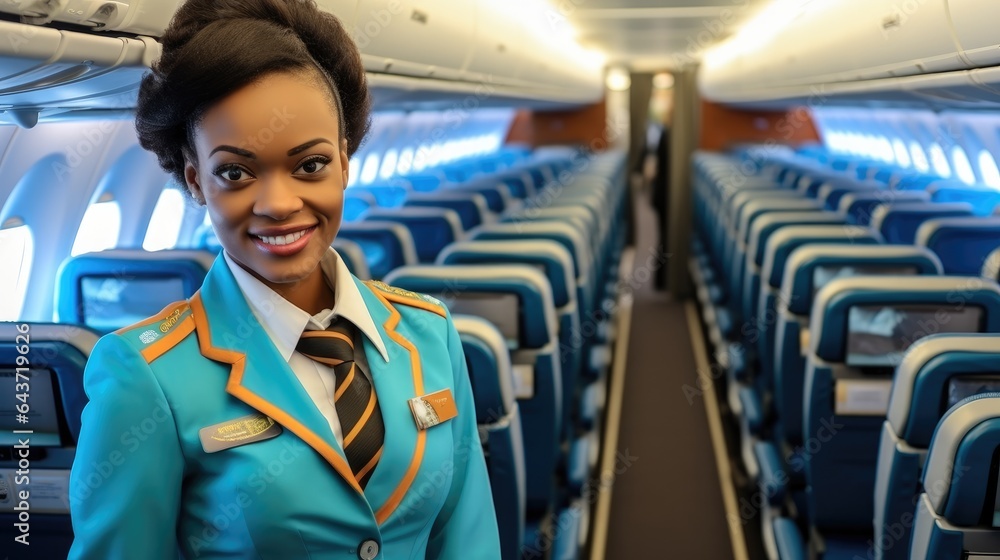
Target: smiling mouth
x=280, y=240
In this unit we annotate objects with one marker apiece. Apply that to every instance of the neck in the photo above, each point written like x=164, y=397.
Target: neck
x=311, y=294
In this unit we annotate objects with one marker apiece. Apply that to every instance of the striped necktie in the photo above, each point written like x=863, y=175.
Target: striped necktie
x=355, y=400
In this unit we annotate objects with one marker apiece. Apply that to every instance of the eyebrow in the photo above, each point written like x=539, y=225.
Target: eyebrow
x=238, y=151
x=307, y=145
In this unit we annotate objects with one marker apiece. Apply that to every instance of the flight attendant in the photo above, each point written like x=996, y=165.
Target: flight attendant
x=286, y=410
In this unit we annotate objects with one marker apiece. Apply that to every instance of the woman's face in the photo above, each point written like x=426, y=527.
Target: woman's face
x=271, y=171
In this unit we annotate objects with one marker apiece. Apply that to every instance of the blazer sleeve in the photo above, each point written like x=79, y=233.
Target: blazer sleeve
x=125, y=485
x=466, y=527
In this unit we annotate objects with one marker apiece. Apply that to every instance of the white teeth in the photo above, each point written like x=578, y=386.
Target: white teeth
x=282, y=239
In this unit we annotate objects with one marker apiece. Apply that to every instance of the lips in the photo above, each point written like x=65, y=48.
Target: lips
x=282, y=243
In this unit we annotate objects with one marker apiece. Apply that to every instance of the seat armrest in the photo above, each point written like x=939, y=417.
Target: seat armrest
x=788, y=540
x=773, y=478
x=753, y=411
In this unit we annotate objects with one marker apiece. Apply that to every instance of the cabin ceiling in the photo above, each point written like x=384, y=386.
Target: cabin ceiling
x=651, y=35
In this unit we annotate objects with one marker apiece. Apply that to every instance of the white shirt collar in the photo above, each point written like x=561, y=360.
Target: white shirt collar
x=284, y=322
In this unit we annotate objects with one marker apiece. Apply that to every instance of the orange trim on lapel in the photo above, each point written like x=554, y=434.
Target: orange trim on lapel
x=233, y=387
x=397, y=495
x=176, y=334
x=169, y=309
x=420, y=304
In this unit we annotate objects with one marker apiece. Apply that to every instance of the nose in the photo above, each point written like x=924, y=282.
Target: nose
x=277, y=197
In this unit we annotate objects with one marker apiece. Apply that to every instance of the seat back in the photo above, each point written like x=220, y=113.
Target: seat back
x=356, y=203
x=499, y=423
x=983, y=199
x=962, y=243
x=353, y=256
x=112, y=289
x=898, y=222
x=991, y=266
x=386, y=195
x=956, y=515
x=936, y=373
x=859, y=330
x=431, y=228
x=518, y=300
x=859, y=207
x=471, y=207
x=779, y=247
x=387, y=245
x=808, y=269
x=58, y=354
x=553, y=260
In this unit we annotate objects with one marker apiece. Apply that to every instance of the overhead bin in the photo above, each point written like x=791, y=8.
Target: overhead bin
x=416, y=54
x=877, y=49
x=142, y=17
x=429, y=39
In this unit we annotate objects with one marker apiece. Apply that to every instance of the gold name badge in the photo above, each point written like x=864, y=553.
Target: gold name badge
x=431, y=410
x=240, y=431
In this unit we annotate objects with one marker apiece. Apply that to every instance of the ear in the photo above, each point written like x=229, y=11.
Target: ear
x=193, y=185
x=345, y=161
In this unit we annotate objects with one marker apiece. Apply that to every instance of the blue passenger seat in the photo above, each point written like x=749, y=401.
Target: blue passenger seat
x=116, y=288
x=58, y=355
x=500, y=426
x=937, y=372
x=956, y=516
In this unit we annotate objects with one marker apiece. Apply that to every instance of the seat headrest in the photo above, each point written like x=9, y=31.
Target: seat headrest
x=353, y=256
x=860, y=207
x=754, y=208
x=800, y=281
x=765, y=226
x=950, y=298
x=959, y=467
x=59, y=354
x=785, y=240
x=533, y=322
x=991, y=266
x=922, y=385
x=549, y=256
x=565, y=234
x=899, y=214
x=375, y=237
x=982, y=198
x=111, y=289
x=963, y=243
x=489, y=367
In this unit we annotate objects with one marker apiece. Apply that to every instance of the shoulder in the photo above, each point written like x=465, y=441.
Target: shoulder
x=154, y=336
x=407, y=298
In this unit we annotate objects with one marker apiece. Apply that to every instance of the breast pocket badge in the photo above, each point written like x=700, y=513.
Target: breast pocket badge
x=240, y=431
x=433, y=409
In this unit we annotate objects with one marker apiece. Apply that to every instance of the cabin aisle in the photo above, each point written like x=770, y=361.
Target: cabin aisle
x=666, y=501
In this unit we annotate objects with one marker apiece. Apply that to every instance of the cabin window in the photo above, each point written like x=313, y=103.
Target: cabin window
x=963, y=169
x=99, y=228
x=354, y=169
x=405, y=161
x=988, y=169
x=919, y=157
x=165, y=225
x=885, y=152
x=939, y=161
x=902, y=156
x=389, y=164
x=370, y=169
x=16, y=249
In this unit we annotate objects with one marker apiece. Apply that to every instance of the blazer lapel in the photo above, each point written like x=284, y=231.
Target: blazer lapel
x=396, y=382
x=229, y=333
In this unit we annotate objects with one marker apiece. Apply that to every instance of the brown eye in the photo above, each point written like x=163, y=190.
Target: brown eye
x=313, y=165
x=232, y=173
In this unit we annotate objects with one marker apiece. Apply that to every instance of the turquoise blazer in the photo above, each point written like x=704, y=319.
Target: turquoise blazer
x=143, y=485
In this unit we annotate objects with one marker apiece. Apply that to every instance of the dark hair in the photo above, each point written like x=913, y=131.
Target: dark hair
x=214, y=47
